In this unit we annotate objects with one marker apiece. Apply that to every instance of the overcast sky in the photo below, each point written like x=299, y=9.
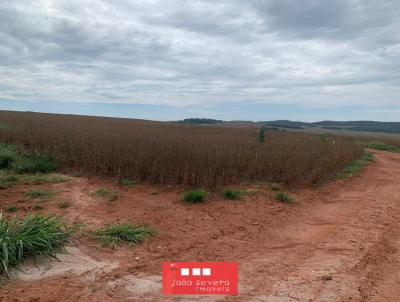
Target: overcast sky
x=232, y=59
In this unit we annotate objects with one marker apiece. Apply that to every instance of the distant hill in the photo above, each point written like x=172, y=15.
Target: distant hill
x=200, y=121
x=367, y=126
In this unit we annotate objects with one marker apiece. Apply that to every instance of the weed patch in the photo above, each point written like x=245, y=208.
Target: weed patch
x=232, y=193
x=195, y=196
x=356, y=165
x=11, y=209
x=125, y=181
x=283, y=197
x=382, y=146
x=109, y=195
x=47, y=178
x=126, y=233
x=39, y=194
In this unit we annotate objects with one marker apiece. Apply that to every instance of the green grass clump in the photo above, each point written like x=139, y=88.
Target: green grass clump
x=126, y=233
x=29, y=237
x=107, y=194
x=7, y=180
x=382, y=146
x=39, y=193
x=356, y=165
x=125, y=181
x=283, y=197
x=195, y=196
x=11, y=209
x=232, y=193
x=367, y=156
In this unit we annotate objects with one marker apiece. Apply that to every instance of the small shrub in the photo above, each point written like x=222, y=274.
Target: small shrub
x=64, y=204
x=39, y=193
x=232, y=193
x=11, y=209
x=37, y=207
x=5, y=161
x=195, y=196
x=261, y=135
x=29, y=237
x=126, y=233
x=8, y=154
x=283, y=197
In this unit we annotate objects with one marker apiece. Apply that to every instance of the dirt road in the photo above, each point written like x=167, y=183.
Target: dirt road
x=339, y=242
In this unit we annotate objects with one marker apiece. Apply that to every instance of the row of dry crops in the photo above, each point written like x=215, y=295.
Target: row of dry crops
x=169, y=153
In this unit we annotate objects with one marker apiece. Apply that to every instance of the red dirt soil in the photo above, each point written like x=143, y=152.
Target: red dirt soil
x=338, y=242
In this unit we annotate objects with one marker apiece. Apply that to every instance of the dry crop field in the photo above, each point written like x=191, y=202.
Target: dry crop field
x=169, y=153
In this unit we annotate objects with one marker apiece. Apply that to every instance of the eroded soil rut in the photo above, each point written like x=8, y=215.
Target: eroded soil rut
x=340, y=242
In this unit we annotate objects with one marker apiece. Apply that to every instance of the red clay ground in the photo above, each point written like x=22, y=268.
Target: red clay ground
x=347, y=231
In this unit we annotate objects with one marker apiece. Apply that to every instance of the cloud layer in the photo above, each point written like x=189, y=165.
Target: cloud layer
x=338, y=52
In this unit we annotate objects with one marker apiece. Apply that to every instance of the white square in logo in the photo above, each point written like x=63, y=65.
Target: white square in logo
x=184, y=272
x=196, y=272
x=206, y=271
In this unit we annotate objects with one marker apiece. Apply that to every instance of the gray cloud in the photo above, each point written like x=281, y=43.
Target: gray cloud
x=197, y=52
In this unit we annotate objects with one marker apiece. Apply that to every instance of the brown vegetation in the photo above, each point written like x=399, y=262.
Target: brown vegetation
x=169, y=153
